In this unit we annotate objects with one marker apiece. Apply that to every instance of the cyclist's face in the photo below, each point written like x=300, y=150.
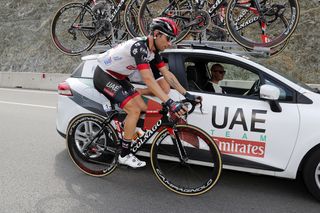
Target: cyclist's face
x=163, y=41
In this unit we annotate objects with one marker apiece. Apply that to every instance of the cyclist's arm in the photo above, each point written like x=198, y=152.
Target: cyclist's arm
x=152, y=85
x=172, y=80
x=139, y=51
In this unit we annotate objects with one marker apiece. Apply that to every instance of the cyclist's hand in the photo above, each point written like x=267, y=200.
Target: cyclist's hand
x=193, y=98
x=178, y=108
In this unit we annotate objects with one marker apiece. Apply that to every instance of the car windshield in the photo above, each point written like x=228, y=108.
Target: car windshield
x=291, y=78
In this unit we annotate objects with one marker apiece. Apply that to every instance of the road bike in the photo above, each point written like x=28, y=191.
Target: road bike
x=251, y=23
x=76, y=27
x=184, y=158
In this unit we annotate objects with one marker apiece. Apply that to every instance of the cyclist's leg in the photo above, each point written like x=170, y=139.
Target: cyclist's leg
x=133, y=108
x=123, y=93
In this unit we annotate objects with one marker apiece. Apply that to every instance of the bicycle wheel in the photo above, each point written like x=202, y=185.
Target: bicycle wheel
x=178, y=10
x=71, y=28
x=100, y=157
x=278, y=49
x=201, y=169
x=274, y=51
x=267, y=29
x=131, y=18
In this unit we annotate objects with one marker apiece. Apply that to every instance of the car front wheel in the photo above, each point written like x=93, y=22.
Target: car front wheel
x=311, y=174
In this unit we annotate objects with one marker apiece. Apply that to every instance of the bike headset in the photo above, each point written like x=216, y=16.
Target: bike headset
x=166, y=26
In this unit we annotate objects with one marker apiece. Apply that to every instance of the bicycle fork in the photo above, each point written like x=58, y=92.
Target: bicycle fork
x=176, y=140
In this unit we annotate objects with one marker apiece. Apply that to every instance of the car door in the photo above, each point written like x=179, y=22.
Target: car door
x=247, y=131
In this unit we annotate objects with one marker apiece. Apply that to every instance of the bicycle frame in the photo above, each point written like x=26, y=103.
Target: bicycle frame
x=197, y=6
x=163, y=122
x=115, y=12
x=255, y=7
x=215, y=6
x=94, y=2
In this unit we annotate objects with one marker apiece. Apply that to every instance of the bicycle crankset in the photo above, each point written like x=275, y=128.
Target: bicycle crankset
x=202, y=20
x=103, y=25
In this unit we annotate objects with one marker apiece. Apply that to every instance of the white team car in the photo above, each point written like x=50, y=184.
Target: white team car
x=266, y=123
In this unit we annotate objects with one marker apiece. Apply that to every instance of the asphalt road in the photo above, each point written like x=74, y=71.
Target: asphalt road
x=37, y=174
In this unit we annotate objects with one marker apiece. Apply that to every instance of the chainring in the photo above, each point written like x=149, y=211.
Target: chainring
x=205, y=20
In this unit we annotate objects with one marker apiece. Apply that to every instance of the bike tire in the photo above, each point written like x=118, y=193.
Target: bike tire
x=245, y=27
x=102, y=155
x=195, y=176
x=154, y=8
x=275, y=51
x=62, y=37
x=131, y=18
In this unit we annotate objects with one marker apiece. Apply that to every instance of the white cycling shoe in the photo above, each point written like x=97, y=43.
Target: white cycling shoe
x=131, y=160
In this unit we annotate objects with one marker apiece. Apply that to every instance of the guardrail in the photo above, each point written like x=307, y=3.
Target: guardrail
x=31, y=80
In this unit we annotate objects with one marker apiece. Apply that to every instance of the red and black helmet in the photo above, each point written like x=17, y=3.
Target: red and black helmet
x=164, y=25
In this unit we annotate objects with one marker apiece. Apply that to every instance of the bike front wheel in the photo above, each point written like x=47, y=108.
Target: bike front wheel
x=262, y=23
x=71, y=29
x=197, y=171
x=100, y=157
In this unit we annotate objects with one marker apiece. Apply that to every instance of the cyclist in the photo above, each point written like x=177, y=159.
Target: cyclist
x=110, y=78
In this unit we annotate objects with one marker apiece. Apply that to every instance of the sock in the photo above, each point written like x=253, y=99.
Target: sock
x=125, y=145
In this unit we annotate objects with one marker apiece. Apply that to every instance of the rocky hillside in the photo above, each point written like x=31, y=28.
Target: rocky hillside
x=26, y=45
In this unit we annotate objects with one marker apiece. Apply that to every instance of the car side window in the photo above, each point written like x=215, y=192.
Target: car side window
x=236, y=80
x=194, y=75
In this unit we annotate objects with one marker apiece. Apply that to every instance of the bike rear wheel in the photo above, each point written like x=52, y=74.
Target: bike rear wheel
x=100, y=157
x=195, y=175
x=131, y=18
x=178, y=10
x=270, y=27
x=71, y=28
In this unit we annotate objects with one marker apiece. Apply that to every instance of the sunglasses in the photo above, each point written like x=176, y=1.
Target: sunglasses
x=169, y=38
x=220, y=71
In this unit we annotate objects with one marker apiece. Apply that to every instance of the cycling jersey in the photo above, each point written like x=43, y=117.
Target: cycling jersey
x=129, y=57
x=136, y=77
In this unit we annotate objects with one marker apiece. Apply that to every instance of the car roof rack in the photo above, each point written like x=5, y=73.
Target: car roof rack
x=223, y=46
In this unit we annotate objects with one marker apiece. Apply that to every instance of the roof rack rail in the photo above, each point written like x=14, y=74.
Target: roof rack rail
x=223, y=46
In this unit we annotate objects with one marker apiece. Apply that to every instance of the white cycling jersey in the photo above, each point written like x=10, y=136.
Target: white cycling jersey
x=129, y=57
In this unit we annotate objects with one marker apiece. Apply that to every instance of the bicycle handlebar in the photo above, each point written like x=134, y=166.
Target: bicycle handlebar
x=185, y=102
x=193, y=103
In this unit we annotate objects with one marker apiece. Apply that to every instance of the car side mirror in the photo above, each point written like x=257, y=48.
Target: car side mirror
x=269, y=92
x=272, y=94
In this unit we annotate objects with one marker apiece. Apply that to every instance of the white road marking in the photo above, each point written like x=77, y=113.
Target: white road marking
x=30, y=105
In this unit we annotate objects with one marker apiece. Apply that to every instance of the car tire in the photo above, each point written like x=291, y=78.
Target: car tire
x=311, y=174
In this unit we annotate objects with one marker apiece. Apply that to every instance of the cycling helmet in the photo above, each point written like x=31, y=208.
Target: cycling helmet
x=164, y=25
